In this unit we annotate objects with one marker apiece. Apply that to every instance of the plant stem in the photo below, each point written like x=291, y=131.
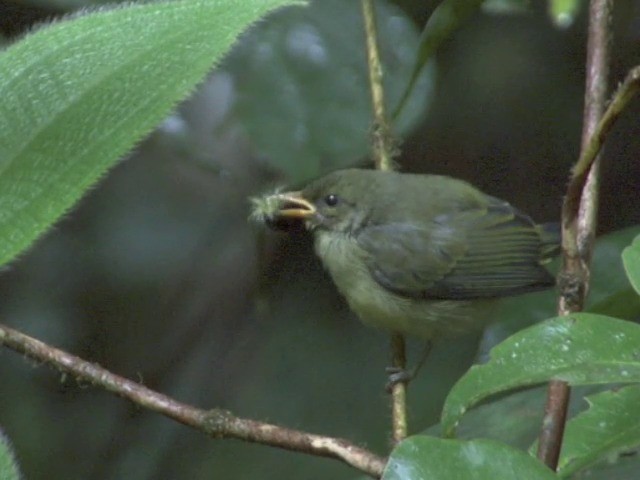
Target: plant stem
x=579, y=220
x=383, y=150
x=398, y=390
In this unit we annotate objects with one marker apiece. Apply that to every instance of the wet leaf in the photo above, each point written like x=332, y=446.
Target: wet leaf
x=582, y=349
x=609, y=427
x=422, y=457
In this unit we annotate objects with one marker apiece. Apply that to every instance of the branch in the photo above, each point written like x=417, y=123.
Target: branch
x=383, y=151
x=579, y=213
x=625, y=93
x=216, y=423
x=398, y=390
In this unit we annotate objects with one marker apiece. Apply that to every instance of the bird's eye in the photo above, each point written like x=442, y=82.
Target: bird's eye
x=331, y=200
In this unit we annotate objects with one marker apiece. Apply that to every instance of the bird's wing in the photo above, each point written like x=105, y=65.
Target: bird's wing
x=478, y=253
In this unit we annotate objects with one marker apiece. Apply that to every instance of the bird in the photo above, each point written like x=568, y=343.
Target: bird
x=416, y=254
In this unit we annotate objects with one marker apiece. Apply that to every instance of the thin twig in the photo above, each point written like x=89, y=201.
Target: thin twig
x=579, y=218
x=383, y=151
x=383, y=143
x=216, y=423
x=625, y=93
x=398, y=390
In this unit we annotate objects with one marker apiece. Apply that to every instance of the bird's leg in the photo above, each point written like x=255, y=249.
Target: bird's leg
x=405, y=375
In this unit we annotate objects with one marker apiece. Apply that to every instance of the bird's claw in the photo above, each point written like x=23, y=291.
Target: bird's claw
x=397, y=375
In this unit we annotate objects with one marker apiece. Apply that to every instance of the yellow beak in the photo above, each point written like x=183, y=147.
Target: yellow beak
x=295, y=206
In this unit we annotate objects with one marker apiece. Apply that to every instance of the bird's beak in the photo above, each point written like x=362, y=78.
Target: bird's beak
x=294, y=206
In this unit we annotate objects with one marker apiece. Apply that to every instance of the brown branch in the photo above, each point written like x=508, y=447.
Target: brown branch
x=216, y=423
x=579, y=219
x=383, y=152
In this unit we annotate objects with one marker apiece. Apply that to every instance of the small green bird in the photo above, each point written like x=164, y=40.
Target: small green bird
x=415, y=253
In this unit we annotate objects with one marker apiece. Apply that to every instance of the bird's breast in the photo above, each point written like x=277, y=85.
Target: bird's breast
x=346, y=262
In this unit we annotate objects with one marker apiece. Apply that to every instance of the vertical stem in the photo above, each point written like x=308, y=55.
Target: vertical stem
x=383, y=153
x=382, y=138
x=579, y=221
x=399, y=390
x=553, y=422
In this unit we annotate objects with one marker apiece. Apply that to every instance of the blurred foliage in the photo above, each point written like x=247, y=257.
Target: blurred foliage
x=631, y=261
x=308, y=69
x=502, y=7
x=443, y=21
x=157, y=275
x=564, y=12
x=8, y=467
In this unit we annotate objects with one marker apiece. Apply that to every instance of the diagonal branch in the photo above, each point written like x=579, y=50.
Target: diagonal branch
x=216, y=423
x=624, y=94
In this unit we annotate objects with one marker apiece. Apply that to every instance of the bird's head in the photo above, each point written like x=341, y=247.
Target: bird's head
x=336, y=202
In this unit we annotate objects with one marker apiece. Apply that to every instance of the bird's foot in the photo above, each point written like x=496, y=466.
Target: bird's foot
x=405, y=375
x=398, y=375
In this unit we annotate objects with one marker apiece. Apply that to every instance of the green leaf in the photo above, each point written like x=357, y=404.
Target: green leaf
x=623, y=304
x=515, y=418
x=581, y=349
x=608, y=274
x=610, y=292
x=77, y=95
x=631, y=262
x=445, y=19
x=512, y=419
x=8, y=466
x=624, y=467
x=422, y=457
x=610, y=426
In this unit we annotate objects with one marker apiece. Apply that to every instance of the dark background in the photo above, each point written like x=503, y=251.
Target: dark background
x=158, y=276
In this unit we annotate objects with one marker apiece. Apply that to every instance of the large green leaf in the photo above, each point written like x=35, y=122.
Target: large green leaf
x=422, y=457
x=631, y=261
x=515, y=419
x=77, y=95
x=610, y=426
x=581, y=349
